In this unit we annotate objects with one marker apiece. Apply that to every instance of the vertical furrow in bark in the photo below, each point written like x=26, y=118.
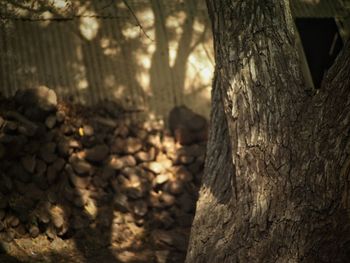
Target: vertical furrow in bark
x=220, y=176
x=219, y=166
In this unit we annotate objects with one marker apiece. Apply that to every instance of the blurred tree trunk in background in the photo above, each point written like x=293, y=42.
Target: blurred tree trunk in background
x=276, y=187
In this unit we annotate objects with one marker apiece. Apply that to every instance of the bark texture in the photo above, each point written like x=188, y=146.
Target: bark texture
x=276, y=186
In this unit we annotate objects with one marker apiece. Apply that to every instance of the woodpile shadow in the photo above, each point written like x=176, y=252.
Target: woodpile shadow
x=123, y=191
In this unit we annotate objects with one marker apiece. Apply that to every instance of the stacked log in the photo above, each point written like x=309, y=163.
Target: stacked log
x=64, y=169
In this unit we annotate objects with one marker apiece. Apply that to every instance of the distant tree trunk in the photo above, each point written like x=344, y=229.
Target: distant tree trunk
x=276, y=186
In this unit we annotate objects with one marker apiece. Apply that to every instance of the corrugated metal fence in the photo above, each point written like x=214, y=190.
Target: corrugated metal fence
x=104, y=54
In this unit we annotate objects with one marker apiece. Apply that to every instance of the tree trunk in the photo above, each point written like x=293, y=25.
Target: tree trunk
x=276, y=186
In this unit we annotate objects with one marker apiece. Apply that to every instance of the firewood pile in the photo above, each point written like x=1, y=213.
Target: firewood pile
x=66, y=169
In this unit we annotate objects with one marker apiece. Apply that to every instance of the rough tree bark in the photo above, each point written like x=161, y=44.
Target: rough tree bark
x=276, y=186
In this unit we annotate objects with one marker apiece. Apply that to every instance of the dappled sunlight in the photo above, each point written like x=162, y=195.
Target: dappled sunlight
x=89, y=26
x=199, y=27
x=151, y=48
x=131, y=32
x=46, y=16
x=312, y=2
x=119, y=91
x=144, y=80
x=111, y=51
x=91, y=208
x=41, y=250
x=261, y=204
x=59, y=4
x=146, y=18
x=135, y=234
x=145, y=61
x=172, y=54
x=200, y=69
x=82, y=84
x=109, y=47
x=176, y=21
x=175, y=27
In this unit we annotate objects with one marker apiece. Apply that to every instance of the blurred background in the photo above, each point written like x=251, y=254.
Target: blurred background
x=149, y=55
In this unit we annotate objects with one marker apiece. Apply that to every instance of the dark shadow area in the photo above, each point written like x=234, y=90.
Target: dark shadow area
x=322, y=44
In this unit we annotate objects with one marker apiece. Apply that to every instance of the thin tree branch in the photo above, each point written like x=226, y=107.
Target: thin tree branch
x=137, y=20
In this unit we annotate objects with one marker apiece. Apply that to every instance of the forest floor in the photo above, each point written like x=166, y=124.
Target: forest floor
x=43, y=250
